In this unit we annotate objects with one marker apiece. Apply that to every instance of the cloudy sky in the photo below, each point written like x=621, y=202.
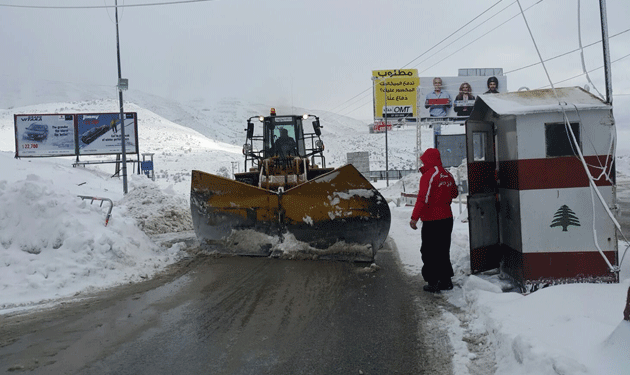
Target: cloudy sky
x=316, y=54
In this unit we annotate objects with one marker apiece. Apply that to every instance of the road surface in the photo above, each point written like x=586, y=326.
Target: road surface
x=239, y=315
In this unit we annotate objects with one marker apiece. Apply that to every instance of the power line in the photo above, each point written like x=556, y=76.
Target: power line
x=456, y=31
x=427, y=51
x=590, y=71
x=531, y=65
x=483, y=35
x=453, y=33
x=511, y=71
x=103, y=6
x=564, y=54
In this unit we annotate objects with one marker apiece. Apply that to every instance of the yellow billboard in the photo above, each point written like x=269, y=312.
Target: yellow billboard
x=395, y=92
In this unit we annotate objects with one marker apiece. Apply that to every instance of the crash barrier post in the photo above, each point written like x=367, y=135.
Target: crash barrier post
x=111, y=204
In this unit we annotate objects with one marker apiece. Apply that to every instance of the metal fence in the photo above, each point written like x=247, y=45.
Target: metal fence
x=394, y=174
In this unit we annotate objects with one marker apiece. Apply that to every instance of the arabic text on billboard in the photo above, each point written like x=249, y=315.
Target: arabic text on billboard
x=395, y=92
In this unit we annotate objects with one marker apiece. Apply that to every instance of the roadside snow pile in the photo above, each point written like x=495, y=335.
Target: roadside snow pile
x=157, y=212
x=547, y=315
x=53, y=244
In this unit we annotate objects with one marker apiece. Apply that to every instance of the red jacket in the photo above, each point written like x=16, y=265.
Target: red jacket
x=437, y=189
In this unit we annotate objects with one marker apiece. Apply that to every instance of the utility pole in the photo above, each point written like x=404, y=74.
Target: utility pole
x=607, y=74
x=122, y=115
x=386, y=148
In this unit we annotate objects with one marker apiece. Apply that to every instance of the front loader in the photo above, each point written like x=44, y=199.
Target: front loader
x=288, y=203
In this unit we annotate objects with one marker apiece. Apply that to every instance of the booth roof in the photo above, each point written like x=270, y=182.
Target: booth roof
x=536, y=101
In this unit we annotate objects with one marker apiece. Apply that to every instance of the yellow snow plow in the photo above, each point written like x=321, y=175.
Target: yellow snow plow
x=286, y=205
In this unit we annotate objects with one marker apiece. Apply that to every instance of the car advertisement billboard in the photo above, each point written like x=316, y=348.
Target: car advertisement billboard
x=44, y=135
x=395, y=93
x=100, y=133
x=454, y=97
x=74, y=134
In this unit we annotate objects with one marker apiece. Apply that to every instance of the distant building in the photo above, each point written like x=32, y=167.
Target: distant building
x=360, y=160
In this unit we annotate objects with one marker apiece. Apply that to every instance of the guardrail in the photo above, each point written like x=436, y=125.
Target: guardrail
x=394, y=174
x=109, y=213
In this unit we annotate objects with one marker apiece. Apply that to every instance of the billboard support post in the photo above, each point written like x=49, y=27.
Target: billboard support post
x=386, y=148
x=122, y=115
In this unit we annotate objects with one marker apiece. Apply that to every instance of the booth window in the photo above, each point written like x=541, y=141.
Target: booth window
x=559, y=141
x=480, y=142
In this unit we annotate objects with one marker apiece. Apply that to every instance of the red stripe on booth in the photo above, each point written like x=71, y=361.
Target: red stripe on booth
x=551, y=173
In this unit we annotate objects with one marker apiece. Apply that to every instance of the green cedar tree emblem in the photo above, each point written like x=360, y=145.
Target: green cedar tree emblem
x=564, y=217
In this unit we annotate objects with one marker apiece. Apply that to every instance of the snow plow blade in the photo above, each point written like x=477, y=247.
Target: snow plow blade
x=338, y=215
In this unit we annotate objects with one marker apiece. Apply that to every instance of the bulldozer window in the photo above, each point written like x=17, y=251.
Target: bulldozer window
x=284, y=141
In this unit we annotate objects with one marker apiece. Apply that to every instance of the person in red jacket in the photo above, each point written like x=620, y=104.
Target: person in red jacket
x=433, y=207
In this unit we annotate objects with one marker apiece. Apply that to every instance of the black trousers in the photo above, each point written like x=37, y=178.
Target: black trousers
x=436, y=250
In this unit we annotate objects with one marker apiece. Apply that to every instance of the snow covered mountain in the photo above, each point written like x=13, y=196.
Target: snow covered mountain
x=223, y=121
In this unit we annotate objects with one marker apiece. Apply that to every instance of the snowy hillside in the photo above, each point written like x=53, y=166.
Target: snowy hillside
x=223, y=121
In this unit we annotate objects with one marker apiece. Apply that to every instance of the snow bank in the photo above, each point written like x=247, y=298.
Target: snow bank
x=54, y=244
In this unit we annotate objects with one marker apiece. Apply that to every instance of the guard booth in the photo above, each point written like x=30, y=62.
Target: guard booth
x=532, y=209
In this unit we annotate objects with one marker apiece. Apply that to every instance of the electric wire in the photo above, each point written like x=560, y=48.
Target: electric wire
x=563, y=54
x=103, y=6
x=475, y=40
x=591, y=71
x=434, y=46
x=519, y=69
x=427, y=51
x=456, y=31
x=483, y=35
x=581, y=156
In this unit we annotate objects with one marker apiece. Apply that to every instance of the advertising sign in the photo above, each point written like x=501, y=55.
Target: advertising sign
x=44, y=135
x=454, y=97
x=395, y=93
x=99, y=133
x=379, y=126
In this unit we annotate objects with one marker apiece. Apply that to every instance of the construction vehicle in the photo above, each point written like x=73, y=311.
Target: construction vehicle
x=288, y=203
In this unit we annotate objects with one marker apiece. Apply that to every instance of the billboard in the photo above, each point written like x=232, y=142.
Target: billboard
x=453, y=97
x=395, y=93
x=100, y=133
x=44, y=135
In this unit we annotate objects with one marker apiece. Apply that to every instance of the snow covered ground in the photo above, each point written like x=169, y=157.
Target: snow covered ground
x=54, y=245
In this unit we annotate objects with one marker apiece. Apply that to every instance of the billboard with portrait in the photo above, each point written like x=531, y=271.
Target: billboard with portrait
x=453, y=97
x=44, y=135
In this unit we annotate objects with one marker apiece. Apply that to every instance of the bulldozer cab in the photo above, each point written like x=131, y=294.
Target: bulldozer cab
x=283, y=137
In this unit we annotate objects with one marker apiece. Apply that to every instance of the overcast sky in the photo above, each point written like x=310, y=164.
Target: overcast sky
x=316, y=54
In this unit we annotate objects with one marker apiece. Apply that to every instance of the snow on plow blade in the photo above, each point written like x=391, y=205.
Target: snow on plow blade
x=338, y=215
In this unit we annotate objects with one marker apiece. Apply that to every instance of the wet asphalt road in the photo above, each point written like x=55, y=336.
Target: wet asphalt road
x=238, y=315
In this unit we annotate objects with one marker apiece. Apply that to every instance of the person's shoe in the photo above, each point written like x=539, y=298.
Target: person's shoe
x=445, y=285
x=431, y=288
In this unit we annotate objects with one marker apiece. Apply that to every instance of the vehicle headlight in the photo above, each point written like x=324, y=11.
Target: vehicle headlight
x=319, y=144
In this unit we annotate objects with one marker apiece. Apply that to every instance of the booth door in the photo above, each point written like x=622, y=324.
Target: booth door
x=483, y=218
